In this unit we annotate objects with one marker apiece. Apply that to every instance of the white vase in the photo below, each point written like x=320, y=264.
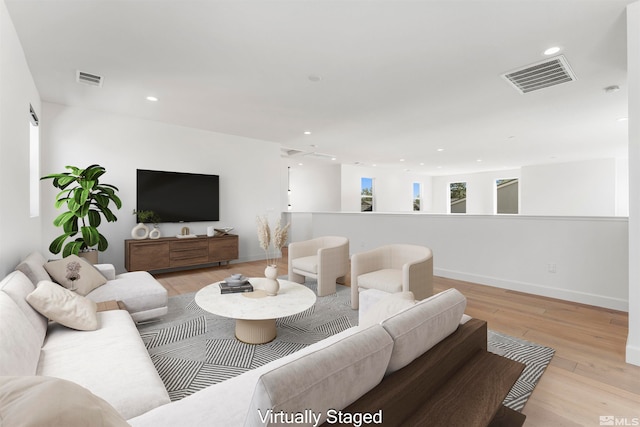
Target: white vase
x=271, y=286
x=140, y=231
x=155, y=233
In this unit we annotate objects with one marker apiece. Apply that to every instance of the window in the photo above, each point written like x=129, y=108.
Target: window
x=34, y=163
x=507, y=196
x=458, y=197
x=417, y=196
x=366, y=195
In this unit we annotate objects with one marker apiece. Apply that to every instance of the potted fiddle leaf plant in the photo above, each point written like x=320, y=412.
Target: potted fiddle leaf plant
x=87, y=200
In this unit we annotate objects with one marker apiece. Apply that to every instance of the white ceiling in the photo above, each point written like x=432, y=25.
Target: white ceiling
x=399, y=79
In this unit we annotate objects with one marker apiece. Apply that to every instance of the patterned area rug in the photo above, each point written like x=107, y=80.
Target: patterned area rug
x=193, y=349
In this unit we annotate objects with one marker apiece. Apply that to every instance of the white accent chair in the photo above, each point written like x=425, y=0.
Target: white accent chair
x=392, y=268
x=323, y=258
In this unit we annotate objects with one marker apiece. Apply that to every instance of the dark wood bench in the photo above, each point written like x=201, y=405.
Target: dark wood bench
x=456, y=383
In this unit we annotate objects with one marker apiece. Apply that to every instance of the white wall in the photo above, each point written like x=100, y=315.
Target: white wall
x=585, y=188
x=315, y=186
x=393, y=189
x=511, y=251
x=249, y=185
x=19, y=233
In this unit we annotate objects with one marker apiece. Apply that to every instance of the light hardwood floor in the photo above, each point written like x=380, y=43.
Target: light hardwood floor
x=587, y=378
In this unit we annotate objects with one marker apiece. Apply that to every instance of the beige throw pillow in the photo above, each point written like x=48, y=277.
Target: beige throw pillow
x=386, y=307
x=35, y=401
x=63, y=306
x=76, y=274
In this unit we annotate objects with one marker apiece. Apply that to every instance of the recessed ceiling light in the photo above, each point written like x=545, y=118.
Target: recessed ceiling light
x=421, y=163
x=300, y=164
x=479, y=160
x=623, y=119
x=440, y=149
x=552, y=50
x=307, y=132
x=333, y=158
x=152, y=98
x=402, y=160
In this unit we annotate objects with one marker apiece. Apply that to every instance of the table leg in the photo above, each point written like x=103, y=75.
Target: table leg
x=255, y=331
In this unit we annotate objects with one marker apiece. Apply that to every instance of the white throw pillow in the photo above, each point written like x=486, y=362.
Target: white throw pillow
x=63, y=306
x=31, y=401
x=76, y=274
x=386, y=307
x=331, y=377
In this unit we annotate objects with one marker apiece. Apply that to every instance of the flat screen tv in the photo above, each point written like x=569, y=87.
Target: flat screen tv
x=178, y=196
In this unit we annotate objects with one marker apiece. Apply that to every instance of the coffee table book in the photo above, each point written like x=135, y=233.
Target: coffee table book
x=226, y=288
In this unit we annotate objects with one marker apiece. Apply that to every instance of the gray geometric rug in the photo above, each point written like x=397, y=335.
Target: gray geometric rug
x=192, y=348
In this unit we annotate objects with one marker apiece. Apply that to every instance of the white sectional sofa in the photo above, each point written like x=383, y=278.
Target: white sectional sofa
x=111, y=361
x=308, y=387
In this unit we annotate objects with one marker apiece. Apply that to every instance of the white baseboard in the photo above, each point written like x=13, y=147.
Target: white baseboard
x=633, y=355
x=536, y=289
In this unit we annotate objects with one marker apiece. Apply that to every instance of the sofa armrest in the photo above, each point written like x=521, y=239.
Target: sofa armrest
x=107, y=270
x=417, y=277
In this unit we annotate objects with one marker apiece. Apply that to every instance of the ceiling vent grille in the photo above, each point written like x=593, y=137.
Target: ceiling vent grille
x=540, y=75
x=89, y=79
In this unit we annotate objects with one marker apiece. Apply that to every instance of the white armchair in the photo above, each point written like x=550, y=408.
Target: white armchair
x=323, y=258
x=392, y=268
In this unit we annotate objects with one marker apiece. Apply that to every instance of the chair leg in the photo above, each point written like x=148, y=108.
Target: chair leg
x=294, y=277
x=326, y=286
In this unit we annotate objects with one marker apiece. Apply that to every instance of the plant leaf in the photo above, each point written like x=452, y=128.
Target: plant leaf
x=63, y=218
x=72, y=248
x=102, y=243
x=90, y=235
x=94, y=218
x=56, y=246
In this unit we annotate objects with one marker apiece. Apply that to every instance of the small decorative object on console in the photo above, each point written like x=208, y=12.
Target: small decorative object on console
x=222, y=231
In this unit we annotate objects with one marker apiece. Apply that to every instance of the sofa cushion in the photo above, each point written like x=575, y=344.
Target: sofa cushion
x=112, y=362
x=76, y=274
x=33, y=267
x=34, y=401
x=19, y=342
x=17, y=285
x=306, y=263
x=63, y=306
x=138, y=290
x=418, y=328
x=330, y=378
x=387, y=306
x=387, y=280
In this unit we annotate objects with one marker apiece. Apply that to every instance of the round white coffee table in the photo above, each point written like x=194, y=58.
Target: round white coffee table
x=256, y=312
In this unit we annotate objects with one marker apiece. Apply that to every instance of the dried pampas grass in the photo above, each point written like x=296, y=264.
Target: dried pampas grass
x=280, y=236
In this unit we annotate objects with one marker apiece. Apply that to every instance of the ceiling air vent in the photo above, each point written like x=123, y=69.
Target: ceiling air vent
x=549, y=72
x=88, y=78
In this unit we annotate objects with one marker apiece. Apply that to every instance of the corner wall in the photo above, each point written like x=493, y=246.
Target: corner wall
x=633, y=73
x=19, y=233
